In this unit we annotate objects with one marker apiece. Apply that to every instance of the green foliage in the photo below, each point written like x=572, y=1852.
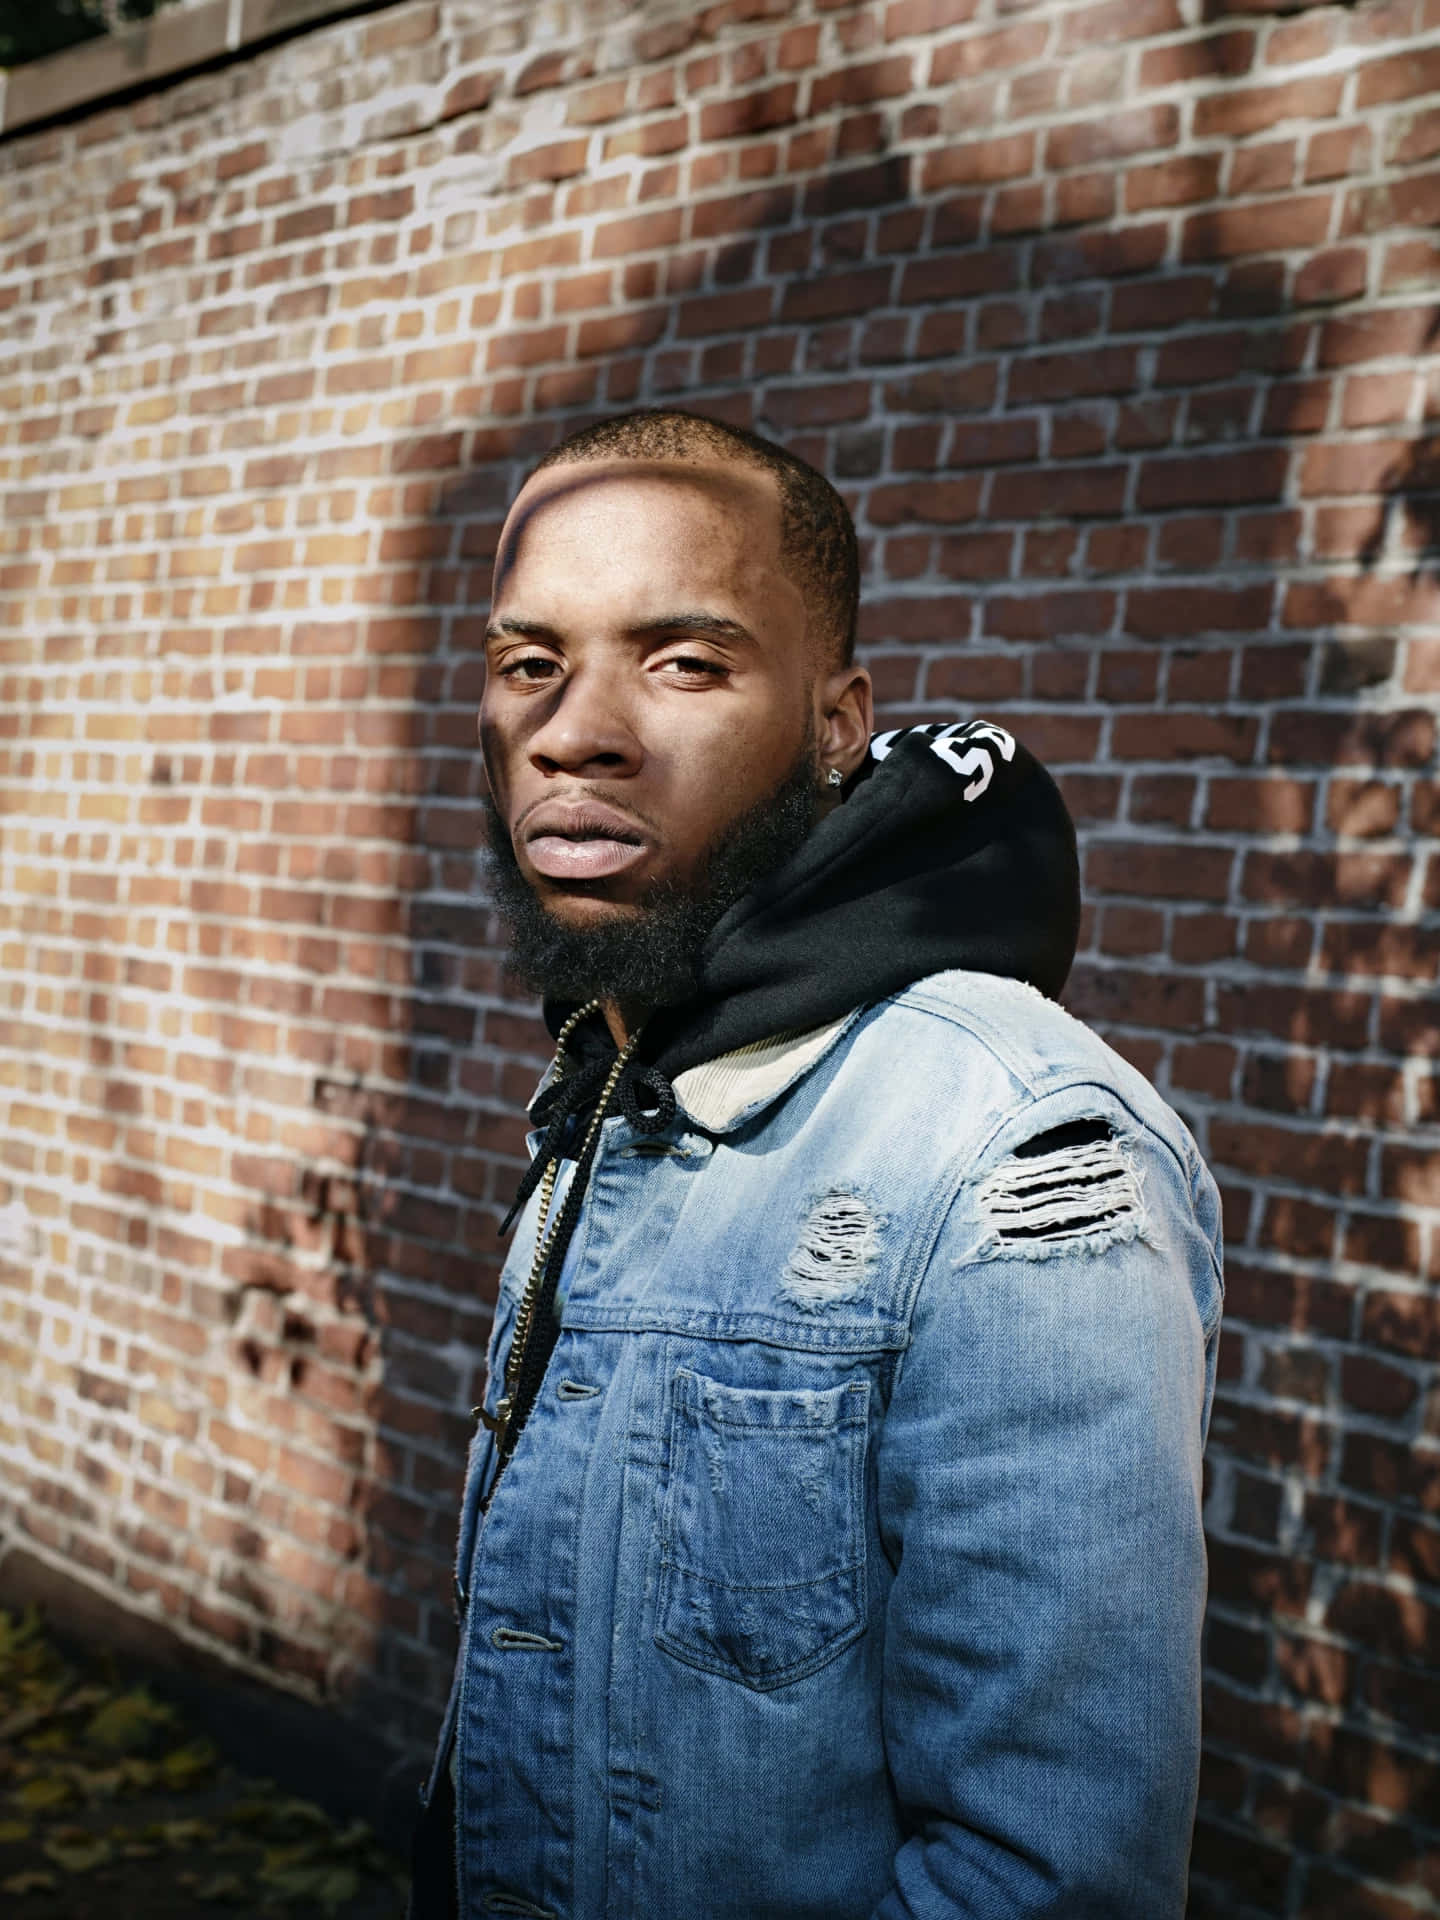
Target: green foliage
x=29, y=29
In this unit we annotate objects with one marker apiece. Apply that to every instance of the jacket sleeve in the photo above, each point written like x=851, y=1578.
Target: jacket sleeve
x=1039, y=1495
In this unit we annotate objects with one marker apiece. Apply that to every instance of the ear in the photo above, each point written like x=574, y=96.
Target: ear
x=844, y=718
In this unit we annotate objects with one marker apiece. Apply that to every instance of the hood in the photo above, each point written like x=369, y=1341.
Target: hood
x=952, y=849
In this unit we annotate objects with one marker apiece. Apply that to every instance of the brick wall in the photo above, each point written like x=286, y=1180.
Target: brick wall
x=1116, y=322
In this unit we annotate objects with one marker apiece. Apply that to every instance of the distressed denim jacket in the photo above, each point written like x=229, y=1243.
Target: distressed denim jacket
x=850, y=1564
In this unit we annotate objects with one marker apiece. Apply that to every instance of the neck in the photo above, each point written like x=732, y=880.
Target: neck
x=623, y=1018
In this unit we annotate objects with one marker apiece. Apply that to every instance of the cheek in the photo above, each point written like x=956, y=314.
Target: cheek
x=720, y=777
x=493, y=754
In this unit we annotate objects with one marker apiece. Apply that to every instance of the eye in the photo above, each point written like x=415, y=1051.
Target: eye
x=528, y=667
x=694, y=666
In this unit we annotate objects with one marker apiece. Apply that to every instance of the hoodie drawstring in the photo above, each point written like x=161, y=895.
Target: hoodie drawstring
x=647, y=1100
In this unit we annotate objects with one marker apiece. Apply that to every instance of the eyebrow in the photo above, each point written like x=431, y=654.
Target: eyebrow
x=714, y=625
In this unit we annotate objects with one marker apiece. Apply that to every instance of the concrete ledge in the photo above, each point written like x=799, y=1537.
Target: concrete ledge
x=152, y=51
x=311, y=1751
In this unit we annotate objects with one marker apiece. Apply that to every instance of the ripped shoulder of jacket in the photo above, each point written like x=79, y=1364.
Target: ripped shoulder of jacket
x=1075, y=1185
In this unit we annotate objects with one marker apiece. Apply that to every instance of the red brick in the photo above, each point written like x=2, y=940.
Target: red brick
x=1202, y=57
x=1173, y=183
x=1410, y=200
x=1077, y=491
x=1049, y=616
x=1373, y=1386
x=1351, y=467
x=1115, y=136
x=1170, y=613
x=773, y=106
x=906, y=17
x=1276, y=226
x=949, y=276
x=1241, y=1576
x=1401, y=77
x=1055, y=376
x=1145, y=999
x=408, y=27
x=1380, y=1618
x=971, y=55
x=1159, y=871
x=1342, y=151
x=853, y=86
x=1233, y=113
x=1338, y=274
x=979, y=162
x=1266, y=169
x=975, y=678
x=1213, y=480
x=1309, y=878
x=833, y=297
x=1411, y=1174
x=1411, y=138
x=1264, y=805
x=1410, y=263
x=737, y=213
x=1386, y=333
x=560, y=160
x=1116, y=20
x=942, y=501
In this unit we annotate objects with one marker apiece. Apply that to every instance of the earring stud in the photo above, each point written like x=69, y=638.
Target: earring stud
x=835, y=778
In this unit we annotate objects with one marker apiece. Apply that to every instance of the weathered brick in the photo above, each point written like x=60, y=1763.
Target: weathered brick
x=979, y=162
x=1275, y=226
x=1167, y=514
x=1402, y=76
x=1234, y=112
x=1115, y=20
x=1216, y=480
x=1115, y=136
x=773, y=106
x=852, y=86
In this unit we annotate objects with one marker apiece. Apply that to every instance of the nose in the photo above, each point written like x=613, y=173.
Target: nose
x=586, y=729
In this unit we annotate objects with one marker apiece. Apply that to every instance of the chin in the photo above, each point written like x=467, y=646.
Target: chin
x=584, y=904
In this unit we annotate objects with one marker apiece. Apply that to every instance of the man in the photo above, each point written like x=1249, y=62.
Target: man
x=831, y=1540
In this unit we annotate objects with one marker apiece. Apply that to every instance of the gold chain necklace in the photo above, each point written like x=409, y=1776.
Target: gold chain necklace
x=499, y=1421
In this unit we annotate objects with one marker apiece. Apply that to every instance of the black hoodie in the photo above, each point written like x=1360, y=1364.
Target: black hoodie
x=953, y=848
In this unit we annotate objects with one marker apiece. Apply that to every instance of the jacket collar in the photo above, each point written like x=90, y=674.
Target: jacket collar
x=719, y=1094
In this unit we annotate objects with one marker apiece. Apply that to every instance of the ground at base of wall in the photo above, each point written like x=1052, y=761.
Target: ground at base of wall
x=110, y=1804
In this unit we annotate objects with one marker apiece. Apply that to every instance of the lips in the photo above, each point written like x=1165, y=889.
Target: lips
x=581, y=840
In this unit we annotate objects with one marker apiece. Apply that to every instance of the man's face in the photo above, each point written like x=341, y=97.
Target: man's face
x=650, y=680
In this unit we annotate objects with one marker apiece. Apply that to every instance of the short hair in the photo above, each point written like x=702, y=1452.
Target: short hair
x=818, y=548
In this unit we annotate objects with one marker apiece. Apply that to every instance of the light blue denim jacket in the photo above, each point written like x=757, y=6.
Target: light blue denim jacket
x=850, y=1564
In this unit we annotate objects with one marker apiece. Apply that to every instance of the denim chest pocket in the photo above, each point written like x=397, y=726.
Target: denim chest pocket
x=762, y=1565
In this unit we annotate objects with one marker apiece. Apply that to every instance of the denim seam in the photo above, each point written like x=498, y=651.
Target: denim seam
x=764, y=1586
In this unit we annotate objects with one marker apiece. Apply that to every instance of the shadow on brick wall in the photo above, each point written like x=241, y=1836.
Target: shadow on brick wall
x=1119, y=394
x=791, y=313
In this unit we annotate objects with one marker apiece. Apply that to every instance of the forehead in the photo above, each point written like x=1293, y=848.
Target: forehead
x=715, y=522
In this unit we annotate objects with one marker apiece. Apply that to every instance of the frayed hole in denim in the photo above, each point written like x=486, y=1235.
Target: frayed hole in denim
x=1074, y=1187
x=834, y=1253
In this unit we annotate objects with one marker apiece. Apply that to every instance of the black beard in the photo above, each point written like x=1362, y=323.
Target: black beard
x=649, y=957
